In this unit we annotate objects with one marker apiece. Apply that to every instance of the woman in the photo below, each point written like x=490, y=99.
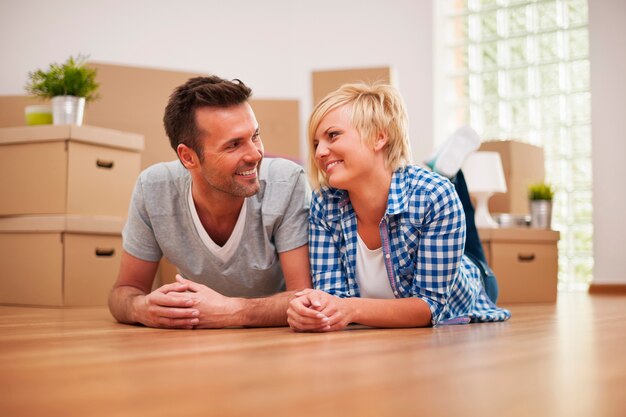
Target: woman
x=386, y=238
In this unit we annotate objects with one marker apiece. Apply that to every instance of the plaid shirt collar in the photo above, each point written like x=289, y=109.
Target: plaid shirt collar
x=397, y=202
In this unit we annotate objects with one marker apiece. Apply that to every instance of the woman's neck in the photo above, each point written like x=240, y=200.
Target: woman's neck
x=369, y=198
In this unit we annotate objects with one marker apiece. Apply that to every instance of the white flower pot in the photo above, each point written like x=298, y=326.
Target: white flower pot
x=541, y=214
x=68, y=110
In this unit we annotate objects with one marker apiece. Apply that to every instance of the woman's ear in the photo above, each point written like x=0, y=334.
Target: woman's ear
x=187, y=156
x=381, y=140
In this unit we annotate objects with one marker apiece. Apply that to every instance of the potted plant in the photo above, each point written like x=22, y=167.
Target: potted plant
x=540, y=196
x=69, y=85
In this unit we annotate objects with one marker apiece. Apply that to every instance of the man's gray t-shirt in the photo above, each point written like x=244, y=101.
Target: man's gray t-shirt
x=160, y=224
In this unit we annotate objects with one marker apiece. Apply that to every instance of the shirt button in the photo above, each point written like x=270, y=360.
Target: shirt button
x=387, y=256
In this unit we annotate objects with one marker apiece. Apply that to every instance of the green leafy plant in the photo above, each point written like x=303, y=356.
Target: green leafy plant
x=72, y=78
x=540, y=191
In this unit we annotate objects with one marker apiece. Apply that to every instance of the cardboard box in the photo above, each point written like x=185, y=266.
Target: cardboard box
x=133, y=99
x=81, y=170
x=523, y=164
x=59, y=260
x=326, y=81
x=525, y=262
x=279, y=123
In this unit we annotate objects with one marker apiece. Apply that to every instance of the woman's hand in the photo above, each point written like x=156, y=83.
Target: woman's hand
x=317, y=311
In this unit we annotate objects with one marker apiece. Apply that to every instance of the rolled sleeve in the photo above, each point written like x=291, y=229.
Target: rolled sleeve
x=327, y=271
x=440, y=250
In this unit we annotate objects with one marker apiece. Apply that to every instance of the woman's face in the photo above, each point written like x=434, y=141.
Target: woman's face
x=339, y=151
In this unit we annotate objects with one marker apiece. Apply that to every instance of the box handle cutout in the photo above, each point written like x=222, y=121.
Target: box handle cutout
x=101, y=163
x=526, y=257
x=105, y=252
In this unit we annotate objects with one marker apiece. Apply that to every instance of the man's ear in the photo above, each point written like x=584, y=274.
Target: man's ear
x=187, y=156
x=381, y=140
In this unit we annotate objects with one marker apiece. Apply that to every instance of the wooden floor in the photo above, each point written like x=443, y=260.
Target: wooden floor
x=548, y=360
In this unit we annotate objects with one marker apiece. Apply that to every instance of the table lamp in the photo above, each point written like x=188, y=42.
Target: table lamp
x=484, y=176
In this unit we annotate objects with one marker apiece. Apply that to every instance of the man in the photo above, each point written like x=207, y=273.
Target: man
x=235, y=228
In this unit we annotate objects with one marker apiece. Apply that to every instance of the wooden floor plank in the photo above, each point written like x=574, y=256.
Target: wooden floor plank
x=563, y=359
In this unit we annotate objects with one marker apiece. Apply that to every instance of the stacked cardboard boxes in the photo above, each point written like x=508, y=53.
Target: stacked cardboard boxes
x=64, y=193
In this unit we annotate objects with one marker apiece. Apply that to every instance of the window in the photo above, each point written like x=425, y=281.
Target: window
x=520, y=70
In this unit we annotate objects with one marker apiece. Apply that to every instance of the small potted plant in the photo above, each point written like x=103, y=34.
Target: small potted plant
x=540, y=196
x=69, y=85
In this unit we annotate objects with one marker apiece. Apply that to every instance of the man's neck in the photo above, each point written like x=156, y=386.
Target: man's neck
x=218, y=212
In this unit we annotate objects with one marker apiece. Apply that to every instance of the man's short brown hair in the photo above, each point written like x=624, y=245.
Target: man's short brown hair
x=180, y=113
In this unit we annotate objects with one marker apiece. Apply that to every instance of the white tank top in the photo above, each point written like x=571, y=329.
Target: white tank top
x=224, y=253
x=371, y=274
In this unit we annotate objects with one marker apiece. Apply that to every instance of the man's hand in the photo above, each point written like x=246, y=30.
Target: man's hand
x=214, y=309
x=133, y=301
x=169, y=306
x=317, y=311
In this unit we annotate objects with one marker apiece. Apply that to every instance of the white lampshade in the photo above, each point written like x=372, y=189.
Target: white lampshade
x=484, y=176
x=483, y=172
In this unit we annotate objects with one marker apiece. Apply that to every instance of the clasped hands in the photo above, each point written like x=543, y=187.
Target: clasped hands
x=185, y=304
x=317, y=311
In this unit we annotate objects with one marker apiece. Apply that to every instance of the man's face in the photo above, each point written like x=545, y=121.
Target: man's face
x=232, y=149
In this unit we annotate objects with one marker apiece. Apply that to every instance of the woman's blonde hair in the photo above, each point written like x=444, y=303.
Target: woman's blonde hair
x=376, y=108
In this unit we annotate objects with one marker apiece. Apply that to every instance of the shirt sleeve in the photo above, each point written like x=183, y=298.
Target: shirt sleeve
x=138, y=235
x=291, y=233
x=440, y=249
x=327, y=271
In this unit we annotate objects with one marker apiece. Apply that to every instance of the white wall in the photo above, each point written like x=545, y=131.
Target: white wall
x=272, y=45
x=607, y=35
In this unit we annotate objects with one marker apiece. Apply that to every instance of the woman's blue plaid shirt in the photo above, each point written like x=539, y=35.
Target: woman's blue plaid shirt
x=423, y=238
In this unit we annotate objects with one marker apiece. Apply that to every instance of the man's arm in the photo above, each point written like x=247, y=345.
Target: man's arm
x=217, y=310
x=272, y=311
x=295, y=266
x=131, y=301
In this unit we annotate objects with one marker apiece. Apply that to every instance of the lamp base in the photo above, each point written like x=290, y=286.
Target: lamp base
x=482, y=217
